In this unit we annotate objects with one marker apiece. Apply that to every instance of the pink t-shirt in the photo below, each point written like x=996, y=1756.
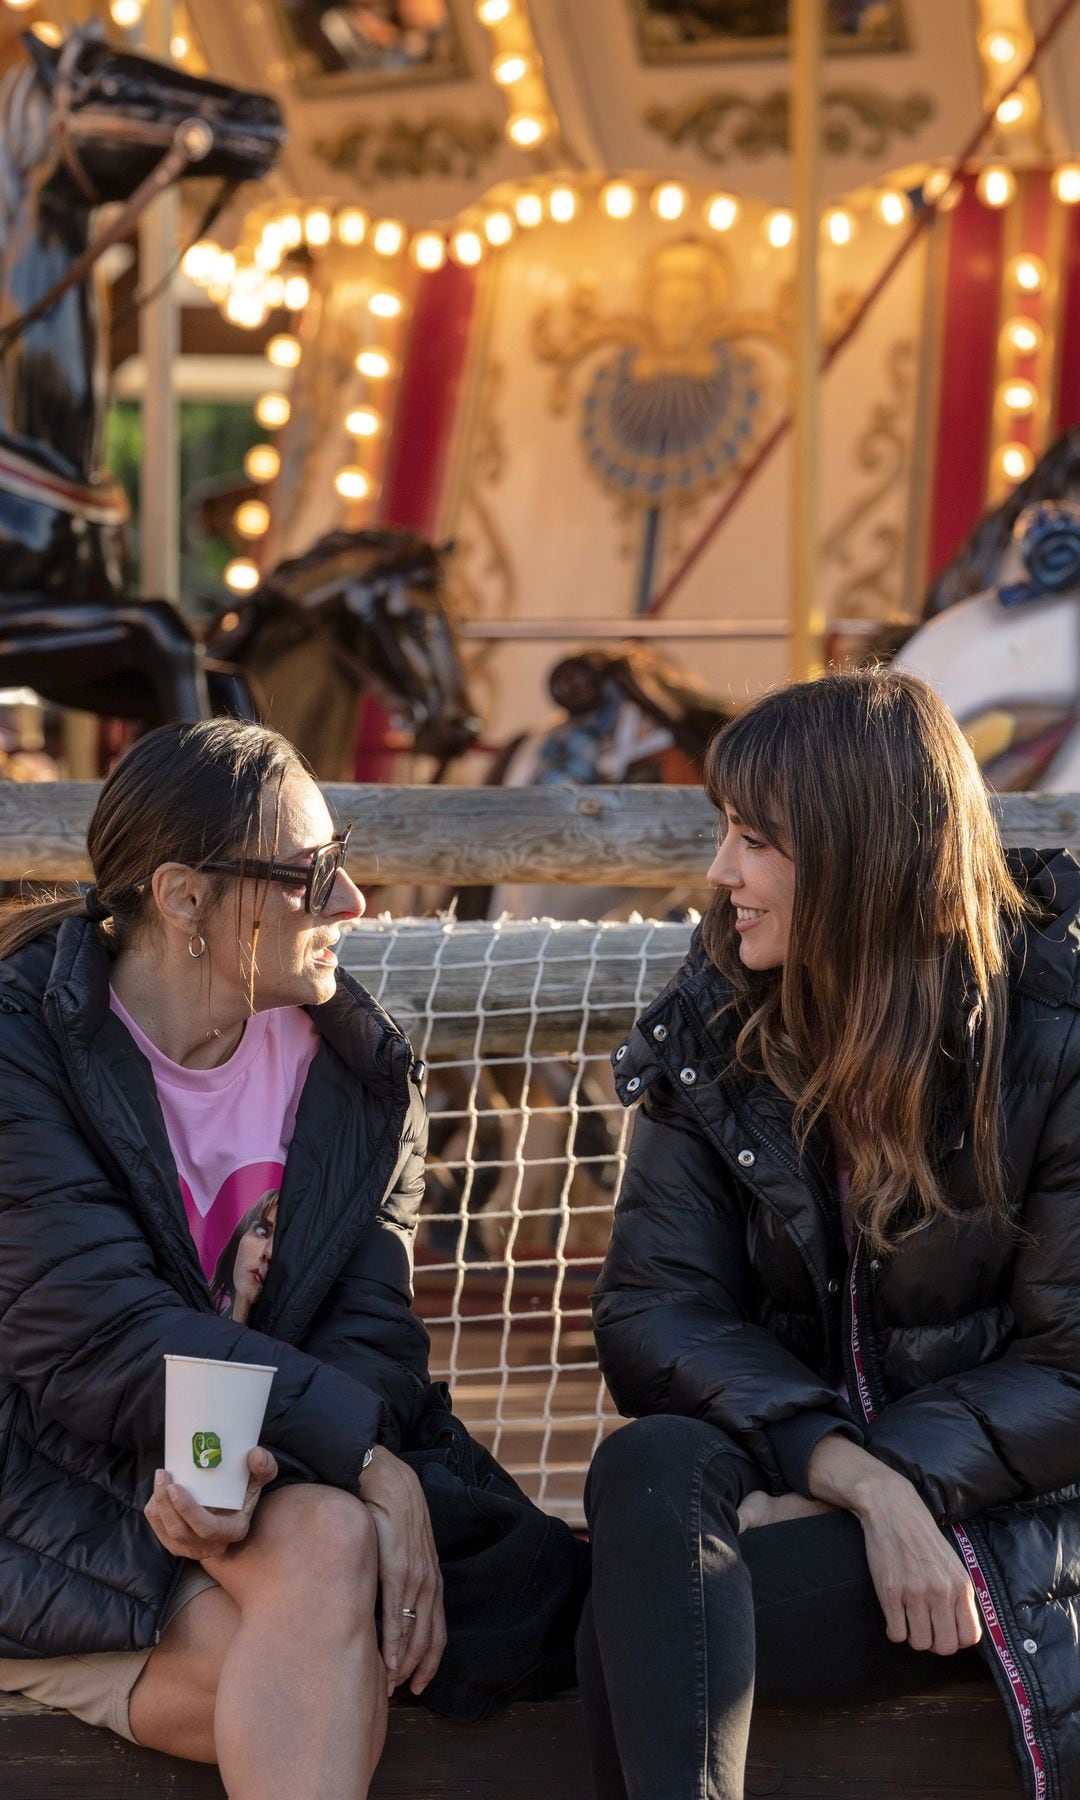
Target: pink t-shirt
x=230, y=1128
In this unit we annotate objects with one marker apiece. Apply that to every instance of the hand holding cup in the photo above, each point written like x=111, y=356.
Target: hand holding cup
x=203, y=1533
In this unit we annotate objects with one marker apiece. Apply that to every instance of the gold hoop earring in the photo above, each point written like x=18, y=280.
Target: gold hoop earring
x=196, y=938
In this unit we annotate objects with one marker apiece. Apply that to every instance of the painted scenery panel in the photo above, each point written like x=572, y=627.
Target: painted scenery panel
x=372, y=42
x=674, y=30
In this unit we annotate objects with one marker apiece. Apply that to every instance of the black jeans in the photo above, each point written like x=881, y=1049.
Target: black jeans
x=687, y=1621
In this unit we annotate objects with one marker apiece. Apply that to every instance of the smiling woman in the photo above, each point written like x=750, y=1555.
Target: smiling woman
x=842, y=1294
x=212, y=1146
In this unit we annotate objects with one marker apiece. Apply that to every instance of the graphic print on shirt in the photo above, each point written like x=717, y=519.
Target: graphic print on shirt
x=244, y=1263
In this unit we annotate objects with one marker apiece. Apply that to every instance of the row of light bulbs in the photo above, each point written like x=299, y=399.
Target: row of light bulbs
x=127, y=14
x=517, y=68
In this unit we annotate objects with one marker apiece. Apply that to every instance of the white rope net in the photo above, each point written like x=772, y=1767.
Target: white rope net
x=516, y=1021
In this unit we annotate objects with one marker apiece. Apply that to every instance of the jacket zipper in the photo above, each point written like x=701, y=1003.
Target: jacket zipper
x=969, y=1537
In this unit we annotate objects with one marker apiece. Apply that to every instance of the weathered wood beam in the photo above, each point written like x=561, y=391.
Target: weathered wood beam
x=634, y=836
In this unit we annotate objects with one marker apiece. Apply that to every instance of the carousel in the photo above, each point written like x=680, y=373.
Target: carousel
x=504, y=390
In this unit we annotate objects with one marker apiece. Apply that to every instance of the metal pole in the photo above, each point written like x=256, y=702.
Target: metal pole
x=807, y=612
x=159, y=341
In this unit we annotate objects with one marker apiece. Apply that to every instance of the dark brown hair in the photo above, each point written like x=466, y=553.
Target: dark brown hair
x=903, y=905
x=223, y=1284
x=186, y=793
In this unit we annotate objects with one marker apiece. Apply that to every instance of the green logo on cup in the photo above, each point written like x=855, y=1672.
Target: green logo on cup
x=206, y=1449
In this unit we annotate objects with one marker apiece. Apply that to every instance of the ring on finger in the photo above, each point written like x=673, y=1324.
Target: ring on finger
x=408, y=1612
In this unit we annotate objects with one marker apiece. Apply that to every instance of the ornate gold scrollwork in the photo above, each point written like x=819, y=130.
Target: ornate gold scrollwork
x=856, y=121
x=441, y=145
x=873, y=590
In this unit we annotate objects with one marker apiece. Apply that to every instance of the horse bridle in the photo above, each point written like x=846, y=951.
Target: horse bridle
x=188, y=143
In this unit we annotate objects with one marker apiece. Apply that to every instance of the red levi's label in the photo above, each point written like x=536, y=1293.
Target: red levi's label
x=967, y=1551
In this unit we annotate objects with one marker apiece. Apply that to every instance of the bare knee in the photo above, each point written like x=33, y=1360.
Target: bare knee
x=316, y=1539
x=172, y=1702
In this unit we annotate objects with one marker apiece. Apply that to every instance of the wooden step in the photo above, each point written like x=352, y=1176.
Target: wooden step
x=950, y=1745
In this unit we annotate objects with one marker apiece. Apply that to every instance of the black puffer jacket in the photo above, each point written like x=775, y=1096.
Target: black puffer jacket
x=728, y=1294
x=99, y=1278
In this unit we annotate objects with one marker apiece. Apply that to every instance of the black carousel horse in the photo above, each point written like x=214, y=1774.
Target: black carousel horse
x=360, y=610
x=80, y=127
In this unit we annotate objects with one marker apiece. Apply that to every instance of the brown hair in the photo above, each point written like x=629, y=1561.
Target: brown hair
x=186, y=793
x=903, y=905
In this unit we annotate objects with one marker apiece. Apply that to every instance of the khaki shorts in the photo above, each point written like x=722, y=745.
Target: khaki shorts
x=97, y=1688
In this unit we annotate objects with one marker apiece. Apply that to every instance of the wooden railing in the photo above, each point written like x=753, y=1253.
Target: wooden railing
x=634, y=836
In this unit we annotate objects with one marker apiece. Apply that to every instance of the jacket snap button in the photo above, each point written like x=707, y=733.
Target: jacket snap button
x=621, y=1052
x=1030, y=1646
x=875, y=1265
x=659, y=1033
x=633, y=1084
x=688, y=1075
x=747, y=1159
x=834, y=1286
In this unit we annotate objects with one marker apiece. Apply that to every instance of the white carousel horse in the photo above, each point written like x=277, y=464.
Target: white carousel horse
x=1007, y=661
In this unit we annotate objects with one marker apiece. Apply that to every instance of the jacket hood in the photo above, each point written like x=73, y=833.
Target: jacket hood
x=1045, y=949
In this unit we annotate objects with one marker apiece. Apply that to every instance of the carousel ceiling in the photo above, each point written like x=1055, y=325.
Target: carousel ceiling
x=416, y=109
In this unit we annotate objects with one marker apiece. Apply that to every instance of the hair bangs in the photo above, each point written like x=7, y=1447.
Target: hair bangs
x=745, y=774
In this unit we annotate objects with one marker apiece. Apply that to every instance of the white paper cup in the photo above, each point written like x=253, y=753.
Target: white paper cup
x=213, y=1416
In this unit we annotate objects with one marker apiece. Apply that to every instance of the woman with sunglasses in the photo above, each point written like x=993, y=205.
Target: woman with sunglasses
x=175, y=1042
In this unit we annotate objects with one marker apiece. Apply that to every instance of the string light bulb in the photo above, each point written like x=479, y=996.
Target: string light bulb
x=839, y=226
x=529, y=210
x=510, y=68
x=1027, y=273
x=669, y=200
x=1016, y=460
x=386, y=305
x=388, y=237
x=364, y=422
x=351, y=225
x=273, y=411
x=125, y=13
x=374, y=364
x=721, y=212
x=1018, y=396
x=936, y=184
x=19, y=5
x=242, y=575
x=467, y=248
x=284, y=351
x=498, y=228
x=262, y=462
x=1011, y=110
x=318, y=227
x=996, y=186
x=178, y=46
x=1001, y=47
x=493, y=12
x=526, y=130
x=252, y=518
x=1023, y=336
x=893, y=207
x=48, y=33
x=1066, y=184
x=618, y=199
x=353, y=483
x=290, y=230
x=562, y=204
x=297, y=293
x=200, y=262
x=780, y=228
x=428, y=250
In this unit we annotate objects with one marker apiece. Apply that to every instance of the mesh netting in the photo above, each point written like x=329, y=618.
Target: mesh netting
x=516, y=1021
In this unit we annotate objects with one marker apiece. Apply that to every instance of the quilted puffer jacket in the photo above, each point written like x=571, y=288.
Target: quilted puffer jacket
x=99, y=1278
x=728, y=1294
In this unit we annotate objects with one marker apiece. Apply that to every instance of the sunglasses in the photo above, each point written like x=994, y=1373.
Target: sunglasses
x=317, y=879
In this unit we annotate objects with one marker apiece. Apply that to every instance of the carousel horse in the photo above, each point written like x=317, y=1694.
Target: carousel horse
x=1007, y=660
x=359, y=610
x=83, y=126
